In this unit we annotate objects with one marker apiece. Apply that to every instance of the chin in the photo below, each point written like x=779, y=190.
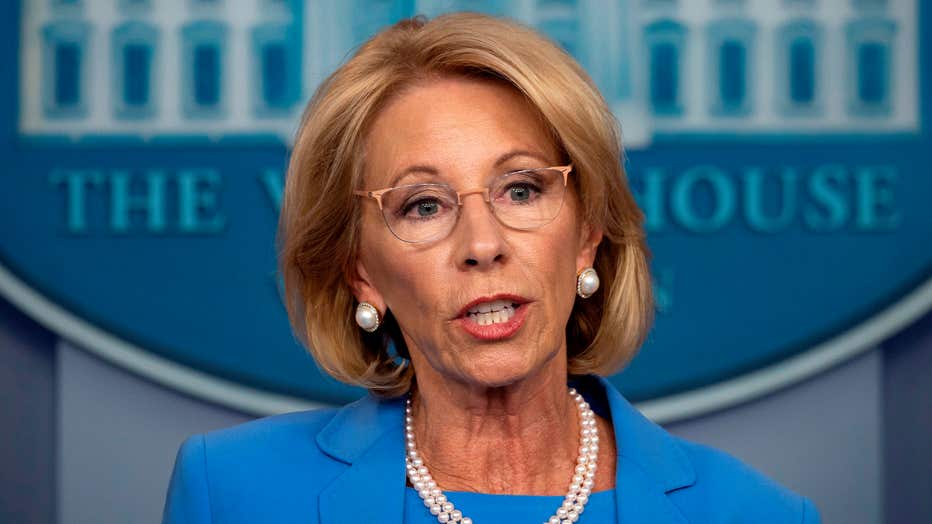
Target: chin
x=498, y=372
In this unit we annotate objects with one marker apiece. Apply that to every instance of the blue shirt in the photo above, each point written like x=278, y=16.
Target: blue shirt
x=484, y=508
x=341, y=465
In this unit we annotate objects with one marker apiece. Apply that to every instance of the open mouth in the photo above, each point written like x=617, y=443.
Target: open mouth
x=495, y=312
x=493, y=318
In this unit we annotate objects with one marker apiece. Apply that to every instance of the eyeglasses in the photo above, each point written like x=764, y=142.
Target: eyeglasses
x=523, y=200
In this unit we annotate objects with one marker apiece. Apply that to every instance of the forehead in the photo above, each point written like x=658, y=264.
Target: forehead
x=455, y=125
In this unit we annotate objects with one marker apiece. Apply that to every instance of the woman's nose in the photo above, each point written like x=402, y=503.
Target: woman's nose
x=479, y=237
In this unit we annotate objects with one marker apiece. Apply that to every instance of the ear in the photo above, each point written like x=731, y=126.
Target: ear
x=589, y=239
x=363, y=288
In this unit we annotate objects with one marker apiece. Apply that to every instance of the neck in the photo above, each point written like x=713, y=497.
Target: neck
x=520, y=438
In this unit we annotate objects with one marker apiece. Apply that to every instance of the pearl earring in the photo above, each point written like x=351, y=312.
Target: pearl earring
x=367, y=316
x=587, y=282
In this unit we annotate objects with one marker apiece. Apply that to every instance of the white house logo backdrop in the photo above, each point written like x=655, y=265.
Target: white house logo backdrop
x=777, y=147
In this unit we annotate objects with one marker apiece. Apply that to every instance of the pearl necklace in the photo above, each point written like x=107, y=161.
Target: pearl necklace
x=573, y=504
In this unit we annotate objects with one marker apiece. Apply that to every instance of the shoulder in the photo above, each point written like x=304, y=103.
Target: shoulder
x=258, y=440
x=270, y=444
x=705, y=484
x=727, y=489
x=264, y=434
x=274, y=459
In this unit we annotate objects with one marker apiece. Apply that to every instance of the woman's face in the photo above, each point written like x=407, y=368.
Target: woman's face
x=461, y=128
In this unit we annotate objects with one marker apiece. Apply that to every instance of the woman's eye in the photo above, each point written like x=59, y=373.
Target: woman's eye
x=521, y=192
x=424, y=207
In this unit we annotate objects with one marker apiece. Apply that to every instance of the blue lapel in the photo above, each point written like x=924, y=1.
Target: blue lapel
x=367, y=435
x=650, y=464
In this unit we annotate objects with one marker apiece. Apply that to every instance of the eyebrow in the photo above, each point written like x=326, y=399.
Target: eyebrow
x=431, y=170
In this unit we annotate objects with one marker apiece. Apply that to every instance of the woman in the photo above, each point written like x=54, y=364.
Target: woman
x=458, y=237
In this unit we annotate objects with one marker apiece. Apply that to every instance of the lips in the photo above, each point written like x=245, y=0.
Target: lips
x=493, y=318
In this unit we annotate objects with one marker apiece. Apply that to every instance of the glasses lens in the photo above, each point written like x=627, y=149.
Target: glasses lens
x=420, y=212
x=528, y=199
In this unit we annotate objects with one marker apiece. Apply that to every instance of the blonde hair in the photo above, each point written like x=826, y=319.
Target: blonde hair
x=320, y=216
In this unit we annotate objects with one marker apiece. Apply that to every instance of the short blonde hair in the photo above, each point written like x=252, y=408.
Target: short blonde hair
x=320, y=217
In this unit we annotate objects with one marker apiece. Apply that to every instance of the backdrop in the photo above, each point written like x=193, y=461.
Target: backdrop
x=777, y=148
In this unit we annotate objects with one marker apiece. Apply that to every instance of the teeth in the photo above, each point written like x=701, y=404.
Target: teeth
x=493, y=317
x=487, y=307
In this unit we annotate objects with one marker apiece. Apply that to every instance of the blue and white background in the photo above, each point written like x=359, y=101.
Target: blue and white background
x=779, y=149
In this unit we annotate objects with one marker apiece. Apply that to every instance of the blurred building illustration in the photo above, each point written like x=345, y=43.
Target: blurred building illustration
x=176, y=69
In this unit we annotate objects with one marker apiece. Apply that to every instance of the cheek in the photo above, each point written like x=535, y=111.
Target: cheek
x=409, y=279
x=561, y=265
x=410, y=287
x=550, y=266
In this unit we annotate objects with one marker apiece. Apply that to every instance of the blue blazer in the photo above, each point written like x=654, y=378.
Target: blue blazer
x=340, y=465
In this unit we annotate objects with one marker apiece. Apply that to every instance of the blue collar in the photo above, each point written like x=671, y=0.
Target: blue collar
x=367, y=436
